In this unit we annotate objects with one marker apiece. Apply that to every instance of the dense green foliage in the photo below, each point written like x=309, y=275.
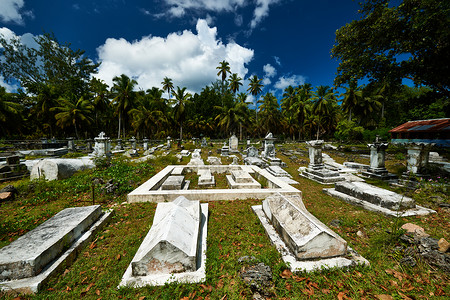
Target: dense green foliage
x=61, y=96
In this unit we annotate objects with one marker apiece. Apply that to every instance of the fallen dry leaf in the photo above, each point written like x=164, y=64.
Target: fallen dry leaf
x=286, y=274
x=384, y=297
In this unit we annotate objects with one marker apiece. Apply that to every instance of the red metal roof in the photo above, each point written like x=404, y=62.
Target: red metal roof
x=434, y=125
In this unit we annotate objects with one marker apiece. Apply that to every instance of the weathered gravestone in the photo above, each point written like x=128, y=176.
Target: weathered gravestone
x=234, y=143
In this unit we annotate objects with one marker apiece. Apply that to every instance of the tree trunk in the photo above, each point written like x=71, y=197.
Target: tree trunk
x=181, y=132
x=118, y=134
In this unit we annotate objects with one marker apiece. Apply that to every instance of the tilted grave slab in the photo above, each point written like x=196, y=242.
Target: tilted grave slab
x=28, y=262
x=304, y=242
x=376, y=199
x=174, y=248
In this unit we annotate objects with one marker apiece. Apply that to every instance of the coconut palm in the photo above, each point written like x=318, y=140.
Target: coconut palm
x=231, y=116
x=224, y=69
x=255, y=87
x=124, y=98
x=352, y=97
x=9, y=111
x=323, y=99
x=73, y=113
x=235, y=82
x=167, y=85
x=147, y=117
x=181, y=100
x=270, y=113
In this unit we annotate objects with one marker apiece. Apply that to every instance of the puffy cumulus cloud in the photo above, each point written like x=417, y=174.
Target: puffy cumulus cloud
x=189, y=59
x=261, y=11
x=179, y=7
x=294, y=80
x=269, y=72
x=11, y=11
x=27, y=39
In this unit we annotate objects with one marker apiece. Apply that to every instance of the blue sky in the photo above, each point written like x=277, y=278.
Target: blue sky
x=283, y=41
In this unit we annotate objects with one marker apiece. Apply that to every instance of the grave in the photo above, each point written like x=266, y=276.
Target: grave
x=240, y=179
x=225, y=150
x=377, y=167
x=277, y=171
x=174, y=249
x=234, y=143
x=13, y=169
x=59, y=168
x=175, y=183
x=206, y=179
x=71, y=144
x=253, y=159
x=145, y=144
x=305, y=243
x=185, y=152
x=213, y=160
x=28, y=262
x=316, y=169
x=196, y=158
x=417, y=158
x=102, y=146
x=376, y=199
x=204, y=143
x=178, y=171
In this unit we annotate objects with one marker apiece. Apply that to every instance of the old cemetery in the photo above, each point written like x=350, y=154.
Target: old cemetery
x=260, y=219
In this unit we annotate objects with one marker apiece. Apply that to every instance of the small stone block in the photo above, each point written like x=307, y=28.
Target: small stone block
x=173, y=183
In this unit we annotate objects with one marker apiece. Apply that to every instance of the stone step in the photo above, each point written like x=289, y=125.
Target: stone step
x=30, y=253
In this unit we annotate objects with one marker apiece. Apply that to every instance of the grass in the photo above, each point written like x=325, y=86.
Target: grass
x=233, y=231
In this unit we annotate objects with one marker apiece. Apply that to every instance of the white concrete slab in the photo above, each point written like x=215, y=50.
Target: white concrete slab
x=184, y=277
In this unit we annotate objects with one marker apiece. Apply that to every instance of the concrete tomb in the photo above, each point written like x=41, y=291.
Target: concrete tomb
x=28, y=261
x=204, y=143
x=376, y=199
x=213, y=160
x=303, y=241
x=206, y=179
x=240, y=179
x=196, y=158
x=377, y=167
x=102, y=146
x=175, y=183
x=185, y=152
x=174, y=248
x=225, y=150
x=13, y=169
x=252, y=152
x=418, y=157
x=59, y=168
x=316, y=169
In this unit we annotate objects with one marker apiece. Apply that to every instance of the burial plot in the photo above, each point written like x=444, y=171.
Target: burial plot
x=303, y=241
x=175, y=182
x=206, y=179
x=174, y=249
x=240, y=179
x=28, y=262
x=376, y=199
x=13, y=169
x=377, y=167
x=234, y=143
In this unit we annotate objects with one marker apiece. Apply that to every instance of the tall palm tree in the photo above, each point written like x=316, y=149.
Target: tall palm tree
x=167, y=85
x=368, y=108
x=181, y=100
x=352, y=97
x=102, y=108
x=124, y=98
x=45, y=99
x=323, y=99
x=270, y=113
x=73, y=113
x=235, y=82
x=255, y=87
x=224, y=69
x=300, y=108
x=9, y=111
x=230, y=116
x=147, y=117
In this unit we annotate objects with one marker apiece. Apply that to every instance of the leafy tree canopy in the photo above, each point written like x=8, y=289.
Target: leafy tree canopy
x=50, y=63
x=410, y=40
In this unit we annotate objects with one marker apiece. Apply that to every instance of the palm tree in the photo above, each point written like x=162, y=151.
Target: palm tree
x=255, y=87
x=181, y=99
x=323, y=99
x=300, y=108
x=73, y=113
x=367, y=109
x=124, y=97
x=224, y=69
x=167, y=85
x=231, y=116
x=270, y=113
x=352, y=97
x=8, y=111
x=45, y=100
x=235, y=82
x=102, y=107
x=147, y=117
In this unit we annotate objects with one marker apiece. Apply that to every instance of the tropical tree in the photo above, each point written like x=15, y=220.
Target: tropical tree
x=73, y=113
x=181, y=100
x=300, y=108
x=102, y=106
x=235, y=82
x=352, y=97
x=124, y=98
x=167, y=85
x=224, y=69
x=270, y=113
x=323, y=99
x=255, y=87
x=368, y=108
x=45, y=99
x=231, y=116
x=10, y=112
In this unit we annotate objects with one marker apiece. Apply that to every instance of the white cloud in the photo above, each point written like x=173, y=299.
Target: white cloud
x=27, y=39
x=10, y=88
x=277, y=60
x=261, y=11
x=189, y=59
x=294, y=80
x=10, y=11
x=269, y=70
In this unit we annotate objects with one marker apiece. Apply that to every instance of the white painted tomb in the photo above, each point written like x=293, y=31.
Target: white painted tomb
x=28, y=262
x=206, y=179
x=240, y=179
x=304, y=242
x=376, y=199
x=174, y=249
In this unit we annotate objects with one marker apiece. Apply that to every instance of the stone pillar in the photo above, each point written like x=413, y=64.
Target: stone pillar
x=71, y=143
x=377, y=156
x=169, y=140
x=418, y=155
x=315, y=154
x=102, y=145
x=145, y=140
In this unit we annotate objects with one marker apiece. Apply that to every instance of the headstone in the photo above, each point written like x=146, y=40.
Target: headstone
x=133, y=142
x=89, y=144
x=71, y=143
x=315, y=154
x=119, y=145
x=29, y=254
x=196, y=158
x=145, y=146
x=172, y=242
x=206, y=179
x=225, y=150
x=418, y=157
x=102, y=146
x=377, y=167
x=269, y=148
x=252, y=152
x=204, y=143
x=235, y=161
x=234, y=143
x=169, y=142
x=304, y=234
